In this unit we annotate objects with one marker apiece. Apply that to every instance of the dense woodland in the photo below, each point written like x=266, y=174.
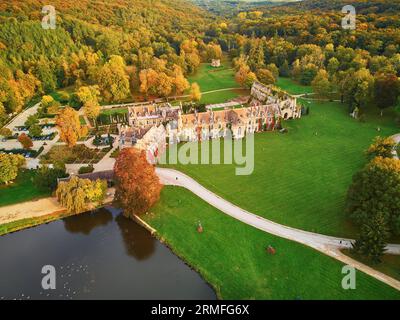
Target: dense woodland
x=151, y=46
x=138, y=45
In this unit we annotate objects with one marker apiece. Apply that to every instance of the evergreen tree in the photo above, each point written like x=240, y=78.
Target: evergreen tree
x=372, y=240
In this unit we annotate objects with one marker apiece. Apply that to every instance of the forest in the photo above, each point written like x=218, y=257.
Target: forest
x=151, y=47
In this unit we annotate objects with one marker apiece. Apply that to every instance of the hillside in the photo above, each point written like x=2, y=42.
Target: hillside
x=100, y=24
x=143, y=34
x=362, y=6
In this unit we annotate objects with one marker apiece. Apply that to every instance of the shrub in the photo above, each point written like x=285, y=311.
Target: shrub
x=46, y=177
x=5, y=132
x=86, y=169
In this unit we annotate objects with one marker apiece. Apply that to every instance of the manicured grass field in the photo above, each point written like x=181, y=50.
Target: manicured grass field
x=209, y=78
x=115, y=111
x=21, y=190
x=231, y=256
x=222, y=96
x=301, y=178
x=292, y=87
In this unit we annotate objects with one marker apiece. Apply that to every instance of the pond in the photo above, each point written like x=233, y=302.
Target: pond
x=99, y=255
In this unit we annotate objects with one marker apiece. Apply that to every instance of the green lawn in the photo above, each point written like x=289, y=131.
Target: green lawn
x=21, y=190
x=222, y=96
x=209, y=78
x=301, y=178
x=292, y=87
x=231, y=256
x=58, y=94
x=115, y=111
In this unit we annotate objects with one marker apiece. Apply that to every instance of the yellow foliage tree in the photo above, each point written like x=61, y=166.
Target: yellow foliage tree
x=70, y=127
x=195, y=93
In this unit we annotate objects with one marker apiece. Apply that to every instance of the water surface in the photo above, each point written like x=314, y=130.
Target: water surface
x=99, y=255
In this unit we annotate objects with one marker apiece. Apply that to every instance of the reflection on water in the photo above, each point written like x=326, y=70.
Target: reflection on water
x=138, y=244
x=87, y=222
x=99, y=255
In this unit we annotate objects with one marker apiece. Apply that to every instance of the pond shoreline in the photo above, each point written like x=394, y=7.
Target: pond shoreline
x=34, y=221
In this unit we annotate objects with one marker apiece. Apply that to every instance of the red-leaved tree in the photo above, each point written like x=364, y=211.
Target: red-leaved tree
x=25, y=141
x=137, y=185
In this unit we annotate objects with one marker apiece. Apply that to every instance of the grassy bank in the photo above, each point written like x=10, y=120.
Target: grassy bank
x=31, y=222
x=231, y=256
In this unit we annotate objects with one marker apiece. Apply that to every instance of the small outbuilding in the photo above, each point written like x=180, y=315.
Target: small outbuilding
x=216, y=63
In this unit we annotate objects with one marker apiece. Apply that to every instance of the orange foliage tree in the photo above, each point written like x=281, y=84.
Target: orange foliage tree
x=25, y=141
x=70, y=126
x=137, y=185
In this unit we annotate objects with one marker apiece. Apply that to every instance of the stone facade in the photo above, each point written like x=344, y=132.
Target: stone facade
x=147, y=116
x=216, y=63
x=270, y=95
x=267, y=106
x=153, y=143
x=214, y=124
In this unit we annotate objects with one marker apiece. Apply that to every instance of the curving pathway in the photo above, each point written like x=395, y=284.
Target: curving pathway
x=325, y=244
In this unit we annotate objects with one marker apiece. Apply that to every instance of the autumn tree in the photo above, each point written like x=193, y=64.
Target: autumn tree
x=256, y=55
x=3, y=114
x=190, y=54
x=273, y=69
x=242, y=75
x=137, y=185
x=195, y=92
x=250, y=79
x=382, y=147
x=321, y=84
x=164, y=85
x=70, y=126
x=9, y=166
x=265, y=76
x=214, y=51
x=180, y=83
x=358, y=87
x=88, y=96
x=25, y=141
x=80, y=195
x=113, y=80
x=148, y=80
x=386, y=90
